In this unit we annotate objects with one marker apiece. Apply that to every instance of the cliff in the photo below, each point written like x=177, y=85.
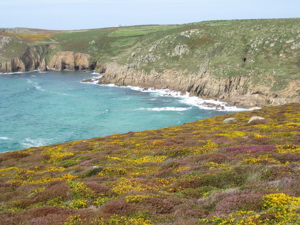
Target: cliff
x=67, y=60
x=35, y=58
x=239, y=91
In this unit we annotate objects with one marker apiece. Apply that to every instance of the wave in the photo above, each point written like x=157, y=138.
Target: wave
x=26, y=72
x=5, y=138
x=38, y=87
x=94, y=79
x=12, y=73
x=212, y=104
x=35, y=85
x=184, y=98
x=194, y=101
x=178, y=109
x=28, y=142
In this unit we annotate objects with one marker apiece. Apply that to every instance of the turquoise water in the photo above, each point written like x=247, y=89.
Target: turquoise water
x=46, y=108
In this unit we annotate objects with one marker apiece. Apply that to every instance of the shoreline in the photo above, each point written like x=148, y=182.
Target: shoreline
x=207, y=104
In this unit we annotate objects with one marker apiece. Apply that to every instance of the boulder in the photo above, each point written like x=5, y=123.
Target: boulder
x=255, y=118
x=230, y=120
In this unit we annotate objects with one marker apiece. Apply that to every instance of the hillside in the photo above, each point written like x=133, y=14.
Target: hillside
x=243, y=62
x=205, y=172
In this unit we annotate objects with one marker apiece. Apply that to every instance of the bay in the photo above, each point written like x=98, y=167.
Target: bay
x=39, y=109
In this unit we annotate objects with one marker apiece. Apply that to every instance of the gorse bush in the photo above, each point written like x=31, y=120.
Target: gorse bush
x=205, y=172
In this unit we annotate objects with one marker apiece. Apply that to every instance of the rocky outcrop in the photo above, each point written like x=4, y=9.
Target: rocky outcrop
x=14, y=65
x=35, y=58
x=239, y=91
x=67, y=60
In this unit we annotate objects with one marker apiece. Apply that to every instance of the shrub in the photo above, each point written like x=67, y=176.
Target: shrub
x=223, y=179
x=53, y=190
x=92, y=172
x=251, y=149
x=20, y=202
x=198, y=192
x=68, y=163
x=46, y=210
x=160, y=205
x=277, y=172
x=239, y=202
x=119, y=207
x=97, y=187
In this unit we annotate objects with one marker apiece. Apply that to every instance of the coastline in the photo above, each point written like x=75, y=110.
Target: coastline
x=208, y=104
x=152, y=110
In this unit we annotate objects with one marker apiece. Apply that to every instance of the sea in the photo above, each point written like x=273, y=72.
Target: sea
x=38, y=109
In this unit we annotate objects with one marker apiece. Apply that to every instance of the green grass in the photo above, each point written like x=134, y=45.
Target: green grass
x=140, y=30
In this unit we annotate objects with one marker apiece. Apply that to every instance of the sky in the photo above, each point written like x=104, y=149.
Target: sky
x=88, y=14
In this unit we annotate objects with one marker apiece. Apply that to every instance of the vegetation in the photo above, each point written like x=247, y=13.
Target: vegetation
x=256, y=48
x=205, y=172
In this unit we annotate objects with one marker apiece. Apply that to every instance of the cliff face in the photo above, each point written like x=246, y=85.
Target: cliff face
x=239, y=91
x=14, y=65
x=67, y=60
x=35, y=58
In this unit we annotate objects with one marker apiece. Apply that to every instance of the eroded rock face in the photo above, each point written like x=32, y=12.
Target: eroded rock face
x=67, y=60
x=14, y=65
x=17, y=65
x=35, y=58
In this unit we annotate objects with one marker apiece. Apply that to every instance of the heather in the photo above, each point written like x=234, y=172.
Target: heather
x=204, y=172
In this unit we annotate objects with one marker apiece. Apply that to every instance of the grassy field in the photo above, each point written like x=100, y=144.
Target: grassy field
x=205, y=172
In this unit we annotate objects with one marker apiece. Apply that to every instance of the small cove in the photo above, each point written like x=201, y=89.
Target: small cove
x=47, y=108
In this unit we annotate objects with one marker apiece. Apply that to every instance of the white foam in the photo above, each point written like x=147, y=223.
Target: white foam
x=211, y=104
x=35, y=84
x=185, y=98
x=38, y=87
x=28, y=142
x=94, y=79
x=194, y=101
x=178, y=109
x=12, y=73
x=161, y=92
x=5, y=138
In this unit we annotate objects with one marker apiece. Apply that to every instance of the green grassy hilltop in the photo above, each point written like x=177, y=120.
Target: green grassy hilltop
x=205, y=172
x=232, y=48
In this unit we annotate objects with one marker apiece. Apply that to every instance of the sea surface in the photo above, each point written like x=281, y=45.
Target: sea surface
x=39, y=109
